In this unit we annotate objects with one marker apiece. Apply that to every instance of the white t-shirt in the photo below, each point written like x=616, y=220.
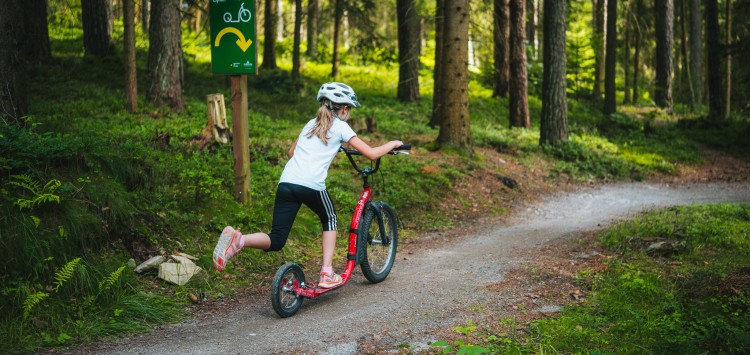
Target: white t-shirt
x=311, y=158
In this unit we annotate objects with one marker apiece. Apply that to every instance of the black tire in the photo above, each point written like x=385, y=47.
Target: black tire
x=285, y=302
x=378, y=237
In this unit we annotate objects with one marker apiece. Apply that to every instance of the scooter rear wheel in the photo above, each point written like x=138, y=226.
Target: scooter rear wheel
x=284, y=297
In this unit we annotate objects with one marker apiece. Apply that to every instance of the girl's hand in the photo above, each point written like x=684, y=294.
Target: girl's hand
x=397, y=144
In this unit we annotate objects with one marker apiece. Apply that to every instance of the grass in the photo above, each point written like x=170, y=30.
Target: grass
x=693, y=300
x=83, y=179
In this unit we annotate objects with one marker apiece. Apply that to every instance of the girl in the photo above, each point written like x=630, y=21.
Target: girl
x=303, y=181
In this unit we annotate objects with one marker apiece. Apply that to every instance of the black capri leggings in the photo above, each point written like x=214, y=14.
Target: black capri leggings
x=289, y=198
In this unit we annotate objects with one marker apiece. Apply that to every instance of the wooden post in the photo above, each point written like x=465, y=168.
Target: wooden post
x=240, y=135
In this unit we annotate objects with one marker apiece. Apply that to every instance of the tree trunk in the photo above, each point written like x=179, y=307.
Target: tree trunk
x=664, y=28
x=518, y=104
x=626, y=62
x=554, y=125
x=37, y=46
x=637, y=52
x=337, y=17
x=313, y=18
x=454, y=127
x=13, y=84
x=145, y=13
x=728, y=63
x=437, y=73
x=610, y=60
x=686, y=69
x=297, y=39
x=696, y=50
x=165, y=55
x=128, y=42
x=279, y=21
x=97, y=27
x=531, y=26
x=598, y=44
x=269, y=35
x=500, y=39
x=713, y=61
x=408, y=51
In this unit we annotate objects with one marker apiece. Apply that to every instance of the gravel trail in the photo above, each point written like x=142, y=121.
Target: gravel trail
x=428, y=289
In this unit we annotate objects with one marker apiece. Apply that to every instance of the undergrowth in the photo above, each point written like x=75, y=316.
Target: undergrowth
x=693, y=299
x=87, y=186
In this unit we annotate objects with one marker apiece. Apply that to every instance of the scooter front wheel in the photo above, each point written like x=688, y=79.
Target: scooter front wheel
x=284, y=298
x=378, y=235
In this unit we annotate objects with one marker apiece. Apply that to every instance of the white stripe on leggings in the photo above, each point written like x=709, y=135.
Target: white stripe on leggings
x=332, y=219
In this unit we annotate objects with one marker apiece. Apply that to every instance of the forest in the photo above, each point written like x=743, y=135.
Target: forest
x=107, y=156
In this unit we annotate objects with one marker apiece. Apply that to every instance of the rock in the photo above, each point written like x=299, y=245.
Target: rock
x=131, y=263
x=666, y=247
x=150, y=264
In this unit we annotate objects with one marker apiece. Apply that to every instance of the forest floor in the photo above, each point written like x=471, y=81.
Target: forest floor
x=514, y=255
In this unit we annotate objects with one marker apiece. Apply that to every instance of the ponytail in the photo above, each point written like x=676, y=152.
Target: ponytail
x=324, y=120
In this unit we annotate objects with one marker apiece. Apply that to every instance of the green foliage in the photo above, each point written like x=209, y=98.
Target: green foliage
x=86, y=181
x=65, y=273
x=31, y=301
x=110, y=280
x=691, y=301
x=40, y=194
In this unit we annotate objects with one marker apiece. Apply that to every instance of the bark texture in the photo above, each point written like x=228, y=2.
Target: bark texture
x=128, y=42
x=500, y=39
x=97, y=27
x=37, y=46
x=696, y=50
x=554, y=123
x=454, y=128
x=338, y=14
x=438, y=71
x=598, y=44
x=408, y=51
x=518, y=104
x=165, y=55
x=297, y=39
x=269, y=35
x=313, y=18
x=531, y=26
x=728, y=61
x=713, y=61
x=664, y=27
x=13, y=85
x=610, y=60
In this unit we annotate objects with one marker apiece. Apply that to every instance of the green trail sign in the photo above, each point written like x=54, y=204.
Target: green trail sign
x=233, y=44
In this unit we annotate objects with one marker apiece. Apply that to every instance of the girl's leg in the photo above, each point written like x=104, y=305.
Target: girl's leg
x=256, y=241
x=329, y=246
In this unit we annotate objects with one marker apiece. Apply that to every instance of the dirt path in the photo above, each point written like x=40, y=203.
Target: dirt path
x=428, y=290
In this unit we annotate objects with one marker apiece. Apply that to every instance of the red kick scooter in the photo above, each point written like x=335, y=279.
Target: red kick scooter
x=373, y=237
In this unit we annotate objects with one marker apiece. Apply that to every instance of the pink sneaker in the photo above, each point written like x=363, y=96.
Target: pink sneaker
x=227, y=247
x=329, y=280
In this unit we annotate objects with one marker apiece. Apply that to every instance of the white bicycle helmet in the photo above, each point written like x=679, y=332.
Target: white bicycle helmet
x=339, y=93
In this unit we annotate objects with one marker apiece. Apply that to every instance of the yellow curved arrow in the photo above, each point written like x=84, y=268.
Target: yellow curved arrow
x=241, y=42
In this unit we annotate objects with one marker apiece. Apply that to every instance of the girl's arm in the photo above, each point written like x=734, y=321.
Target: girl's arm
x=373, y=153
x=291, y=150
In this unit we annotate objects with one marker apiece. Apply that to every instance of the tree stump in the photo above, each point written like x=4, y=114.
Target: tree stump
x=216, y=129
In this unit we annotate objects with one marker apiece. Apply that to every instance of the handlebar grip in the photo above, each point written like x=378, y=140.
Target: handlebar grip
x=404, y=147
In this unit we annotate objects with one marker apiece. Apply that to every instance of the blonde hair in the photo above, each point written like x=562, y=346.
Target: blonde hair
x=324, y=120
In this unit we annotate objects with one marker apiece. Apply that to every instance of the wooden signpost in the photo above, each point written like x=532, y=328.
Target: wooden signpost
x=234, y=52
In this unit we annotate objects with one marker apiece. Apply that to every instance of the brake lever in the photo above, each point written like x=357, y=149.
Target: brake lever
x=397, y=152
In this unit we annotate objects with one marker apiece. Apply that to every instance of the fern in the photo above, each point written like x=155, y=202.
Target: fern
x=31, y=301
x=111, y=279
x=65, y=273
x=42, y=194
